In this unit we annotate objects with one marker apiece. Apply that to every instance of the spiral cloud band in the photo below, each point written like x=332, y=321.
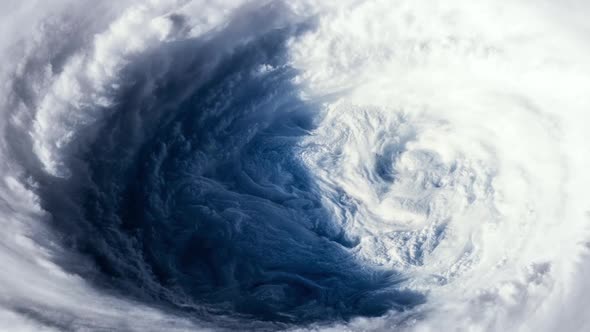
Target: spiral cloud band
x=223, y=165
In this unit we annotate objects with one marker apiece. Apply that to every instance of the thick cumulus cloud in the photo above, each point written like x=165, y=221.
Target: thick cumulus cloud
x=268, y=165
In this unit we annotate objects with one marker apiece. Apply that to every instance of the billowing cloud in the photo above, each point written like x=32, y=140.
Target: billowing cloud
x=266, y=165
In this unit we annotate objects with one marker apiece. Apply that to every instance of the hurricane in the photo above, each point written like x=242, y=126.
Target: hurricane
x=270, y=165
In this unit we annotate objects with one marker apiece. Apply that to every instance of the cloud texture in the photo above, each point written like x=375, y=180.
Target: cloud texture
x=267, y=165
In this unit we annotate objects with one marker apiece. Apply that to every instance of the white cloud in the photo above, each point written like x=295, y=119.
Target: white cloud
x=456, y=115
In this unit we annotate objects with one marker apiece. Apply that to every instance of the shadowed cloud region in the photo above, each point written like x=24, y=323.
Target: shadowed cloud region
x=193, y=193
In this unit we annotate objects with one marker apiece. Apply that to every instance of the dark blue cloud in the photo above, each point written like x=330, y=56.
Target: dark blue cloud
x=193, y=196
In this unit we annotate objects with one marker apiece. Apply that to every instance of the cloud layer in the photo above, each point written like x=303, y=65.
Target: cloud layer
x=212, y=165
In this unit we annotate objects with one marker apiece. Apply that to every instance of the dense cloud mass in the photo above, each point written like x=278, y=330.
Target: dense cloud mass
x=223, y=165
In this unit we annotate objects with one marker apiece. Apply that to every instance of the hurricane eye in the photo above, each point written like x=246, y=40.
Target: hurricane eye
x=187, y=165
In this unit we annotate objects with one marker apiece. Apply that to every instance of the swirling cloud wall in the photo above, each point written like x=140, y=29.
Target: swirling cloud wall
x=374, y=165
